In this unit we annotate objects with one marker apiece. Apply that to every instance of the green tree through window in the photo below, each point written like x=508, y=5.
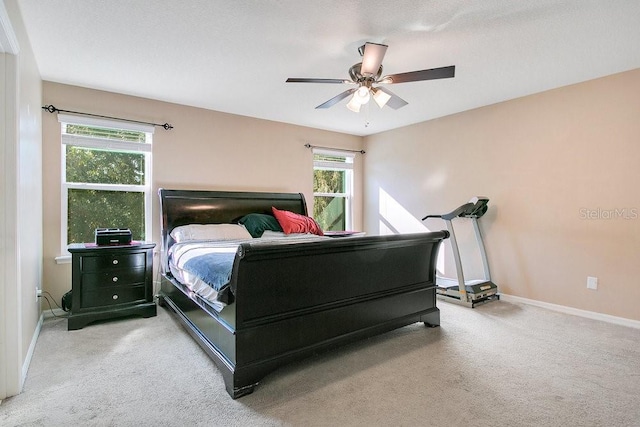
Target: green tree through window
x=332, y=191
x=91, y=209
x=106, y=180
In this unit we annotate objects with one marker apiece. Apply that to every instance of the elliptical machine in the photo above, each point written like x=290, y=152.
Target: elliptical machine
x=466, y=292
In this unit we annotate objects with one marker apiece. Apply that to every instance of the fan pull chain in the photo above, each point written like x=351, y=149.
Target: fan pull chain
x=366, y=114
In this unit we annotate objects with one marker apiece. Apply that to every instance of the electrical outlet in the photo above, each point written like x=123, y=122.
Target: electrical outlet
x=592, y=283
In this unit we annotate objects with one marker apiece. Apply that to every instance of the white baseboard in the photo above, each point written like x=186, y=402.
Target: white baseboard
x=574, y=311
x=56, y=312
x=32, y=348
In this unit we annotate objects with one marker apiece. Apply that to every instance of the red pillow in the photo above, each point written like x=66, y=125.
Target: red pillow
x=295, y=223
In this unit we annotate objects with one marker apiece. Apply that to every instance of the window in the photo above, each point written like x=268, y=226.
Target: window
x=106, y=178
x=332, y=189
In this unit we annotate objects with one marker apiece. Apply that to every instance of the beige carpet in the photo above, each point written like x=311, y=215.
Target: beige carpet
x=501, y=364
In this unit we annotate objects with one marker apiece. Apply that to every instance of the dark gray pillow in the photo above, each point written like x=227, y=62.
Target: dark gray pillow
x=256, y=224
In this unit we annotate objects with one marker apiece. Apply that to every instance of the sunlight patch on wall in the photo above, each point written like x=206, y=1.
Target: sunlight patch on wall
x=395, y=219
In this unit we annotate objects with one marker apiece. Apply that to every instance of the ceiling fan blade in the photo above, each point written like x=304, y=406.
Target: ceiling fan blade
x=372, y=58
x=333, y=101
x=305, y=80
x=395, y=101
x=414, y=76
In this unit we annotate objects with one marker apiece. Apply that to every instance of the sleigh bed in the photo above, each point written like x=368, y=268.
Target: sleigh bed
x=288, y=299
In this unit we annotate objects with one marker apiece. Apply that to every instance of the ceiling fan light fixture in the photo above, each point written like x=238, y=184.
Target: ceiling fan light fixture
x=362, y=95
x=380, y=97
x=354, y=105
x=359, y=98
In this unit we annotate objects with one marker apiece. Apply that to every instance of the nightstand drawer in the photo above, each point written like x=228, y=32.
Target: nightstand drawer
x=103, y=279
x=112, y=296
x=111, y=261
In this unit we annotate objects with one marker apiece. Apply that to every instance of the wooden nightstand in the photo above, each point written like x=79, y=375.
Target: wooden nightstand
x=110, y=282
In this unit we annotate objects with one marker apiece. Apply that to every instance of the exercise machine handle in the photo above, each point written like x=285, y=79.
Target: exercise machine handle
x=432, y=216
x=475, y=208
x=453, y=214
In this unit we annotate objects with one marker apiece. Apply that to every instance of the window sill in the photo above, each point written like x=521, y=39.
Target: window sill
x=63, y=259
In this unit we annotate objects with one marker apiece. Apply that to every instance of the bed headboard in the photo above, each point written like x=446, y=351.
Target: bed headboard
x=181, y=207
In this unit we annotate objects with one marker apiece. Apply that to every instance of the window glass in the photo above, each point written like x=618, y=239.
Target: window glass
x=332, y=188
x=106, y=181
x=104, y=167
x=106, y=133
x=91, y=209
x=330, y=212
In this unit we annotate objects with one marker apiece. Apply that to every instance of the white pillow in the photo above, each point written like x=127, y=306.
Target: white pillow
x=209, y=232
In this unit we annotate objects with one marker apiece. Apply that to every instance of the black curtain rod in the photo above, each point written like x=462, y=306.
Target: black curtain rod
x=335, y=149
x=53, y=109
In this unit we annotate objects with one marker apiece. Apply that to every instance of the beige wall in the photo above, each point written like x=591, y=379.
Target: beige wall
x=205, y=150
x=543, y=160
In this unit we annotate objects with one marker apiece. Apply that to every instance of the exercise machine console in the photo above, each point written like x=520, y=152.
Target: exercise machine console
x=459, y=290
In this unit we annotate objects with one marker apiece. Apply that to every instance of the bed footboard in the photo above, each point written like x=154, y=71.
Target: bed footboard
x=292, y=301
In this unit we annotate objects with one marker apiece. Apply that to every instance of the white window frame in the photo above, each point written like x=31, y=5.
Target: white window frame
x=106, y=144
x=348, y=168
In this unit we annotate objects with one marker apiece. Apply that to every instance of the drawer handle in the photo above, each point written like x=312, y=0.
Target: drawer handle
x=115, y=262
x=115, y=279
x=115, y=296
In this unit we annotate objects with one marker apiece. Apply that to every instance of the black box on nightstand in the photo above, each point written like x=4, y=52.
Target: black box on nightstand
x=113, y=236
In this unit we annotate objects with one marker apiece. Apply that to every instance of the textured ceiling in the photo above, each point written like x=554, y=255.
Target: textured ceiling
x=234, y=56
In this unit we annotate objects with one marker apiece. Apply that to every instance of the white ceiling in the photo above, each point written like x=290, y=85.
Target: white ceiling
x=234, y=56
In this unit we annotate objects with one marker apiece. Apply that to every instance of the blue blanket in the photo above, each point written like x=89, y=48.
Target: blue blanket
x=213, y=268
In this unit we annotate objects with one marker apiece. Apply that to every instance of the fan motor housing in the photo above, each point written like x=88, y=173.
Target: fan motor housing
x=356, y=74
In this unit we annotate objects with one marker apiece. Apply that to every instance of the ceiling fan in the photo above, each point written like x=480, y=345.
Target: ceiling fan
x=367, y=76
